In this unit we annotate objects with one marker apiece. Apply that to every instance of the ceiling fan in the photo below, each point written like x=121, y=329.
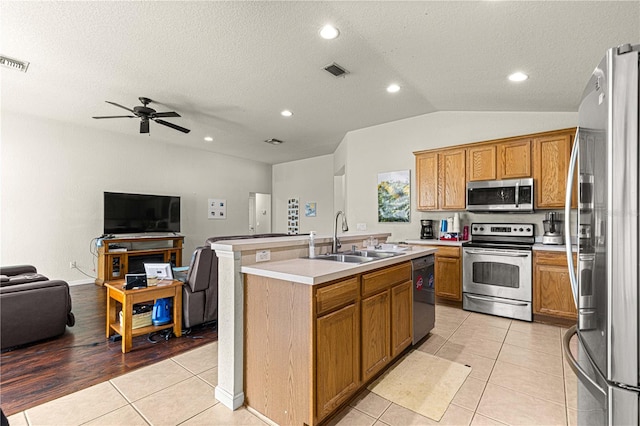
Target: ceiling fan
x=145, y=114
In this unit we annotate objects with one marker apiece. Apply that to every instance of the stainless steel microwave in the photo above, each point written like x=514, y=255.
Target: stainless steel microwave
x=514, y=195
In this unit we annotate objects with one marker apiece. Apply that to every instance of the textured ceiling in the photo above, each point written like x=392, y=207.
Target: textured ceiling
x=229, y=68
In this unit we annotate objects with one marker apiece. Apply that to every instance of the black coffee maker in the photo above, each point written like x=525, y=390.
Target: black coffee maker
x=426, y=233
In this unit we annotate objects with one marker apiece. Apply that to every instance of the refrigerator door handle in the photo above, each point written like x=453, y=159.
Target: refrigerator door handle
x=575, y=366
x=567, y=217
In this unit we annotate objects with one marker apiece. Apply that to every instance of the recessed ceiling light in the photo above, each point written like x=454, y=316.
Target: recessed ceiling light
x=329, y=32
x=274, y=141
x=518, y=76
x=208, y=139
x=286, y=113
x=393, y=88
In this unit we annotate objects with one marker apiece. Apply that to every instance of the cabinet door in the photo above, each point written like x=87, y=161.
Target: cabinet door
x=427, y=181
x=337, y=362
x=401, y=317
x=452, y=179
x=551, y=155
x=448, y=278
x=481, y=162
x=551, y=286
x=376, y=342
x=514, y=159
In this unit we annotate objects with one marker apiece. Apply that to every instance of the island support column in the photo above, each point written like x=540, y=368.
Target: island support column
x=229, y=390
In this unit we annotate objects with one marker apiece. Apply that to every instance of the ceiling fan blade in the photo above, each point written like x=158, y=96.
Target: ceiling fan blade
x=116, y=116
x=118, y=105
x=173, y=126
x=144, y=126
x=166, y=114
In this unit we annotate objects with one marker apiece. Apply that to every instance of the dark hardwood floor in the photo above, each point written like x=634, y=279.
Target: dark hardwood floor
x=83, y=356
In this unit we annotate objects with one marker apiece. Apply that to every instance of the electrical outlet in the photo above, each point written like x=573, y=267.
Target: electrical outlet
x=72, y=264
x=263, y=255
x=361, y=226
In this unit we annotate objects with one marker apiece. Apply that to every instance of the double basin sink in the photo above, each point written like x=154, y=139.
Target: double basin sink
x=357, y=256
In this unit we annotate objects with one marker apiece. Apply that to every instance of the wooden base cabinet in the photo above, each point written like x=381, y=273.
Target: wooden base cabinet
x=552, y=293
x=337, y=348
x=448, y=273
x=308, y=349
x=401, y=317
x=376, y=326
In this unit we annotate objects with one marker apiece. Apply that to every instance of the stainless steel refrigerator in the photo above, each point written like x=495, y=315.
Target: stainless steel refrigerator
x=605, y=285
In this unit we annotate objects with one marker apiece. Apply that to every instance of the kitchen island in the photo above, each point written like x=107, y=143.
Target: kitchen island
x=301, y=315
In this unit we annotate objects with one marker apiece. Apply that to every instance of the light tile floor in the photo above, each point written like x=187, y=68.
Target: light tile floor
x=518, y=377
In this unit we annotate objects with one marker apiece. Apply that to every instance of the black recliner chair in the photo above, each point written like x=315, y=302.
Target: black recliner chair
x=200, y=292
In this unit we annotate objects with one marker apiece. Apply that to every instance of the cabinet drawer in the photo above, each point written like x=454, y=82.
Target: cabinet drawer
x=336, y=295
x=551, y=258
x=448, y=252
x=380, y=280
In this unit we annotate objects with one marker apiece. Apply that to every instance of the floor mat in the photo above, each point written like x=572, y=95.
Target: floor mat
x=422, y=383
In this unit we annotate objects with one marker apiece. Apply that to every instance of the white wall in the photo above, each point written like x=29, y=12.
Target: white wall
x=309, y=180
x=53, y=177
x=390, y=147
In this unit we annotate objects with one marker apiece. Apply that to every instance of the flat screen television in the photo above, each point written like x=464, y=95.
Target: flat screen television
x=140, y=213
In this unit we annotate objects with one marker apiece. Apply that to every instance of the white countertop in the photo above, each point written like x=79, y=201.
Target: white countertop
x=291, y=241
x=315, y=271
x=435, y=242
x=553, y=247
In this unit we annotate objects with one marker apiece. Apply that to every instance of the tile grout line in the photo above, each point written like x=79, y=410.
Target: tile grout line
x=490, y=373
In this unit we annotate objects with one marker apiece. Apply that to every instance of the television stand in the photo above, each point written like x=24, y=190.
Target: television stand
x=114, y=261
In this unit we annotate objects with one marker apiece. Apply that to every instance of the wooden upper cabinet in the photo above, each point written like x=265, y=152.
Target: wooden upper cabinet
x=452, y=179
x=441, y=177
x=551, y=156
x=514, y=159
x=481, y=162
x=427, y=180
x=442, y=174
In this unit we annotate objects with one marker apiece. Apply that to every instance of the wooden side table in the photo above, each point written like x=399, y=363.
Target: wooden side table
x=127, y=298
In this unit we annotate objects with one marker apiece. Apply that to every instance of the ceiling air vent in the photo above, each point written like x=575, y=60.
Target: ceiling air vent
x=13, y=64
x=336, y=70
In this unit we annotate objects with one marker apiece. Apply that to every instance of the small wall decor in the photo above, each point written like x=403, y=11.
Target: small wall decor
x=394, y=196
x=217, y=208
x=293, y=216
x=310, y=209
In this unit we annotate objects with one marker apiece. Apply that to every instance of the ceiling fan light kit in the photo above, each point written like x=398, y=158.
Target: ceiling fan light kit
x=147, y=114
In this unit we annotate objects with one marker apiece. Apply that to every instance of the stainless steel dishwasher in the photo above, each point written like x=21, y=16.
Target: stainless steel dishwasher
x=424, y=298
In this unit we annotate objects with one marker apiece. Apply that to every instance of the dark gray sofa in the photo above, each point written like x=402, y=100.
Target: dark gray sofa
x=32, y=307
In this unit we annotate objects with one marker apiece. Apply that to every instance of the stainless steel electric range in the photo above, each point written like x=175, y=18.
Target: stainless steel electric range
x=497, y=269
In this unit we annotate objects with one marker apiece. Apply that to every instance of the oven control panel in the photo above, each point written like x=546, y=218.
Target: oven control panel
x=503, y=229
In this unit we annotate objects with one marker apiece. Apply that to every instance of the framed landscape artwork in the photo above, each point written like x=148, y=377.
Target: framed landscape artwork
x=394, y=196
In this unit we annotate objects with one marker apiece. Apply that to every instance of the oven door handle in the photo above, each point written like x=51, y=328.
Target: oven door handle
x=491, y=253
x=489, y=299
